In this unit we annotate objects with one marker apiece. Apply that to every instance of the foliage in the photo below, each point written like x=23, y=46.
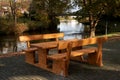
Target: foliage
x=20, y=28
x=45, y=11
x=9, y=28
x=95, y=9
x=6, y=26
x=98, y=7
x=12, y=21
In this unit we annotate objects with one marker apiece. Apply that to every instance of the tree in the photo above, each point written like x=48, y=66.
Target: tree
x=13, y=10
x=94, y=9
x=10, y=22
x=45, y=11
x=117, y=8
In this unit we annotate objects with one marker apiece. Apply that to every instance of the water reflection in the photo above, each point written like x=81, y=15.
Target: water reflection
x=73, y=36
x=71, y=28
x=7, y=44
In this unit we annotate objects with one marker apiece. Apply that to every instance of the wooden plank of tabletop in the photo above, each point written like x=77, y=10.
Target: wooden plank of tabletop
x=45, y=45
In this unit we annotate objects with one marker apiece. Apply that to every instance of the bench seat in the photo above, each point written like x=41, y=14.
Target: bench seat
x=83, y=51
x=75, y=53
x=56, y=56
x=30, y=49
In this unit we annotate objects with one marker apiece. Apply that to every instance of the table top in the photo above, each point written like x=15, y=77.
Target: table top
x=49, y=45
x=45, y=45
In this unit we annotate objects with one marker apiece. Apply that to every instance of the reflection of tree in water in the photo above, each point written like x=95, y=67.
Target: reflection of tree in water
x=7, y=44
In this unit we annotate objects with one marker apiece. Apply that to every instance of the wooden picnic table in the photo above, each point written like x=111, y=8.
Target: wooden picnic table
x=73, y=50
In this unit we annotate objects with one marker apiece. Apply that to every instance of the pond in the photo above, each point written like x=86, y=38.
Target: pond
x=7, y=44
x=71, y=28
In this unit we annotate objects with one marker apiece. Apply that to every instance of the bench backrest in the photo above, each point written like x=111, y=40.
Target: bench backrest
x=28, y=38
x=89, y=41
x=67, y=45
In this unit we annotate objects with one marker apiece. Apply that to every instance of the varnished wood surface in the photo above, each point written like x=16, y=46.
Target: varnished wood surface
x=83, y=51
x=45, y=45
x=41, y=36
x=60, y=62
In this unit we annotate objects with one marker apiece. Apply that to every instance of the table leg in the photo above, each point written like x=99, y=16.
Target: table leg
x=42, y=58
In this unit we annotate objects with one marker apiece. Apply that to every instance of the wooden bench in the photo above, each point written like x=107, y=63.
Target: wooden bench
x=60, y=62
x=30, y=57
x=94, y=53
x=28, y=38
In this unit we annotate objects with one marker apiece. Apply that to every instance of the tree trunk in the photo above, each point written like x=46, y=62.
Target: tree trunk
x=93, y=21
x=92, y=31
x=84, y=2
x=93, y=25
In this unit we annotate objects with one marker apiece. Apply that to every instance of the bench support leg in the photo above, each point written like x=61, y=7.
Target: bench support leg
x=95, y=59
x=60, y=67
x=42, y=58
x=29, y=57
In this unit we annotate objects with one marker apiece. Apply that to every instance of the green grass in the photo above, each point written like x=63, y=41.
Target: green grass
x=113, y=34
x=110, y=34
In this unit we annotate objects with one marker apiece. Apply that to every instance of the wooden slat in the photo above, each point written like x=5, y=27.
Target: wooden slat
x=88, y=41
x=83, y=51
x=41, y=36
x=57, y=56
x=45, y=45
x=30, y=49
x=63, y=45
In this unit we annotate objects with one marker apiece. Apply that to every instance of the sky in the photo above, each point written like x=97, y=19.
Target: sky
x=75, y=9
